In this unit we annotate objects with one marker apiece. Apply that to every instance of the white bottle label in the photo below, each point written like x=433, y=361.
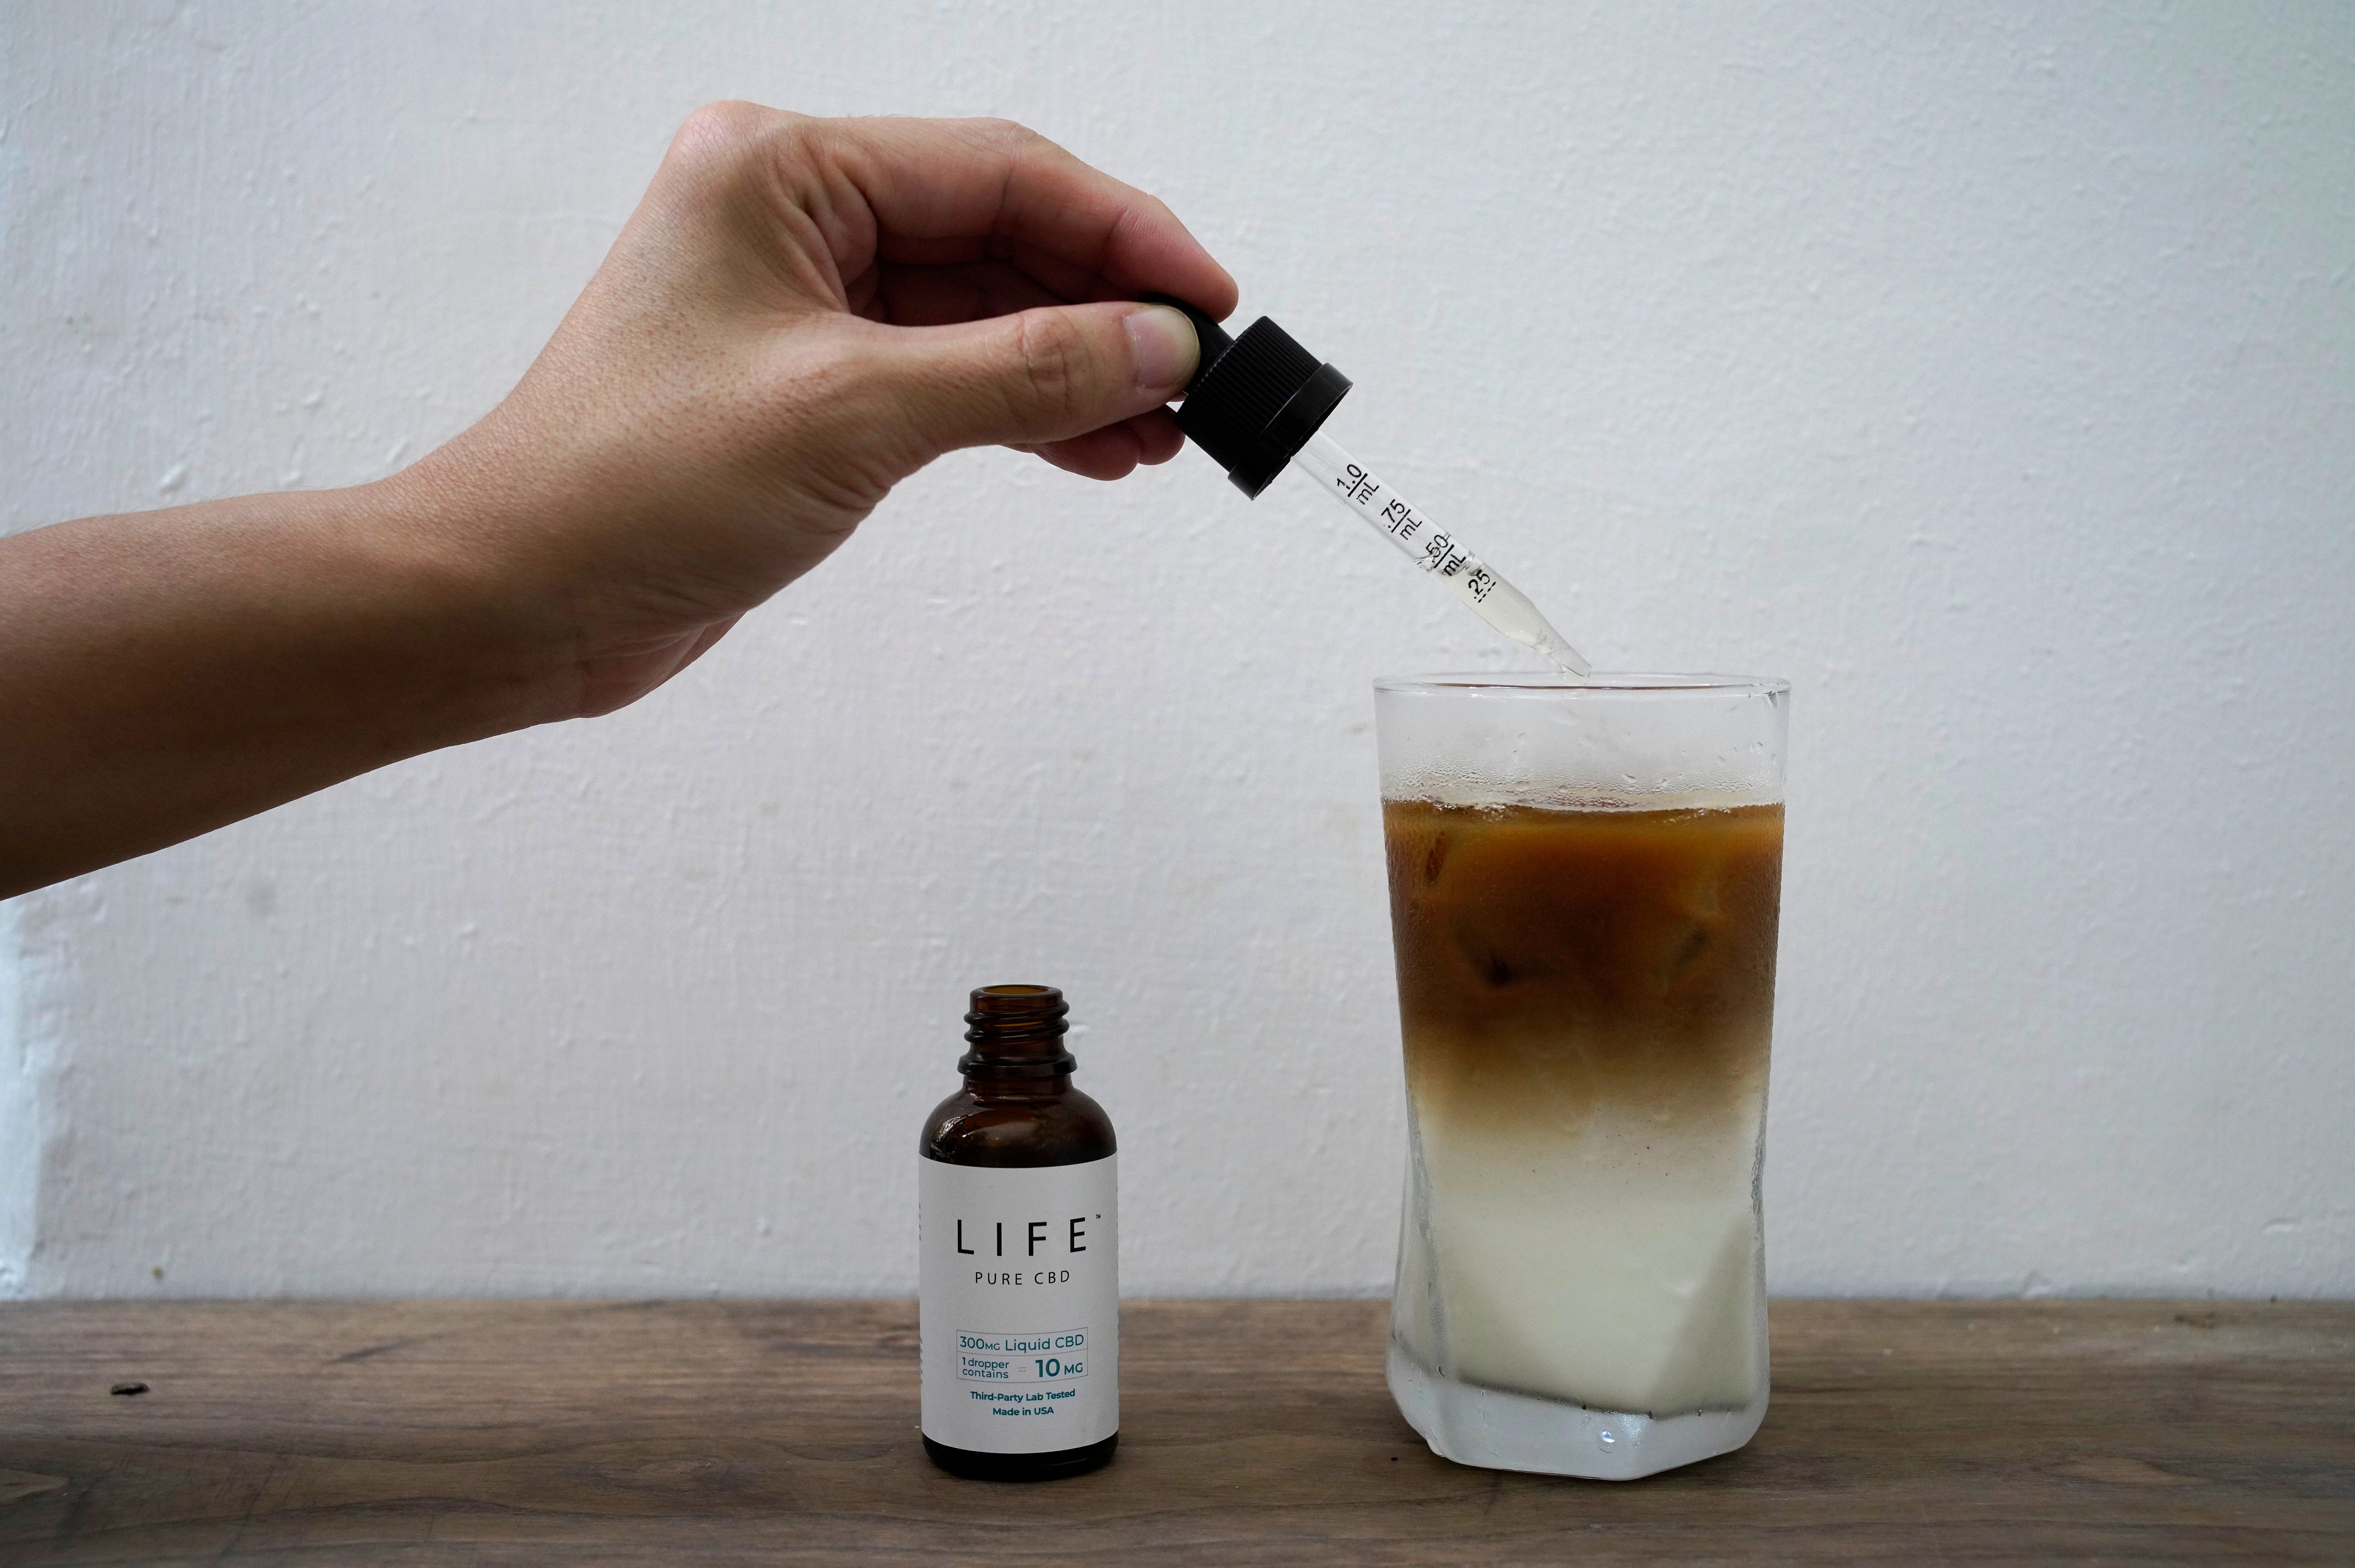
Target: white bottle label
x=1019, y=1311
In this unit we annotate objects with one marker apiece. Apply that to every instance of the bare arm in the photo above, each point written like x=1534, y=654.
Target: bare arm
x=800, y=313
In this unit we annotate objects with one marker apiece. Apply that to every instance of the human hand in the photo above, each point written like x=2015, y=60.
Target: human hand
x=800, y=313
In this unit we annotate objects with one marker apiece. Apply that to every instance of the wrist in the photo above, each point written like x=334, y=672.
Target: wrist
x=487, y=650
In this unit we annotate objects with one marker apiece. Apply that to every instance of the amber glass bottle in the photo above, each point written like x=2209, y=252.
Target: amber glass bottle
x=1019, y=1240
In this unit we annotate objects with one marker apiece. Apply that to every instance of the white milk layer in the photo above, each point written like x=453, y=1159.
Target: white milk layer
x=1615, y=1266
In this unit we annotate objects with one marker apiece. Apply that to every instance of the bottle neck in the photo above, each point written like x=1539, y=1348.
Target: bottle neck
x=989, y=1088
x=1017, y=1040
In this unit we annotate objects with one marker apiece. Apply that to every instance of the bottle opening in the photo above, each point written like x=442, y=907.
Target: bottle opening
x=1017, y=1028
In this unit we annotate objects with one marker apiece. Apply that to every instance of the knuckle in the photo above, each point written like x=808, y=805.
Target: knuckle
x=835, y=387
x=834, y=413
x=1054, y=365
x=727, y=120
x=724, y=132
x=1011, y=135
x=1009, y=141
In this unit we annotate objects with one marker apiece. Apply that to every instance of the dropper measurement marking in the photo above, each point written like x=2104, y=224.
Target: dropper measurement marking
x=1438, y=553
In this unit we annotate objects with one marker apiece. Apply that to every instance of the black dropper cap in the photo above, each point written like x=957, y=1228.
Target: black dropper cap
x=1255, y=399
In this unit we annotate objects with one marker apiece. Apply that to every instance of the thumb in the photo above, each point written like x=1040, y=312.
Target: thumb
x=1039, y=376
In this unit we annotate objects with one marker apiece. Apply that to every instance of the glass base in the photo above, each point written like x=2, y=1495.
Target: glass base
x=1499, y=1431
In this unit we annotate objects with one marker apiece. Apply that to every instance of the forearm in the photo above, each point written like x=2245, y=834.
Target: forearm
x=167, y=672
x=800, y=313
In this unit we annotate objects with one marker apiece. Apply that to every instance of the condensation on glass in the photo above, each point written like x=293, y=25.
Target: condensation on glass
x=1584, y=883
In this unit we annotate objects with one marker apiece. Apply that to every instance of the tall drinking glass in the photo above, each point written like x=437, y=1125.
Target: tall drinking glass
x=1584, y=880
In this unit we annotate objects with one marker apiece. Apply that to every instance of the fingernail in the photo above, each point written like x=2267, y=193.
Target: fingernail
x=1166, y=348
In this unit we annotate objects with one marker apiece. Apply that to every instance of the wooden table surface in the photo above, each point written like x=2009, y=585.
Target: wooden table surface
x=1253, y=1432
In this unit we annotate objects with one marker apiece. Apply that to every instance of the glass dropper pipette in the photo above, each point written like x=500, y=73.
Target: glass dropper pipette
x=1440, y=554
x=1258, y=402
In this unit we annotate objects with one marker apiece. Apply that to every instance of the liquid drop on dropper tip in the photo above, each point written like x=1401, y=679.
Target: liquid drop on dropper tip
x=1567, y=659
x=1532, y=628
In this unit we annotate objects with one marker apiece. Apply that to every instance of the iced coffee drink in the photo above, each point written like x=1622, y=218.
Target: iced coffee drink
x=1583, y=893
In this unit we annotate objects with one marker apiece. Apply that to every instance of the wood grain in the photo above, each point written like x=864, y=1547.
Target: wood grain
x=489, y=1432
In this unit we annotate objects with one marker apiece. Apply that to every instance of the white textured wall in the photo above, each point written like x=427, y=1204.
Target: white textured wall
x=1987, y=371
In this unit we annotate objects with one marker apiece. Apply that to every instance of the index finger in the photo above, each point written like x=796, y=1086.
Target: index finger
x=959, y=190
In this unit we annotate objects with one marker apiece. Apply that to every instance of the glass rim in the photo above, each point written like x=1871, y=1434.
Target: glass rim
x=1601, y=683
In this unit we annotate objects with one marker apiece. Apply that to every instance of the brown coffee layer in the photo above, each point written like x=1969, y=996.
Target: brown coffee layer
x=1555, y=963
